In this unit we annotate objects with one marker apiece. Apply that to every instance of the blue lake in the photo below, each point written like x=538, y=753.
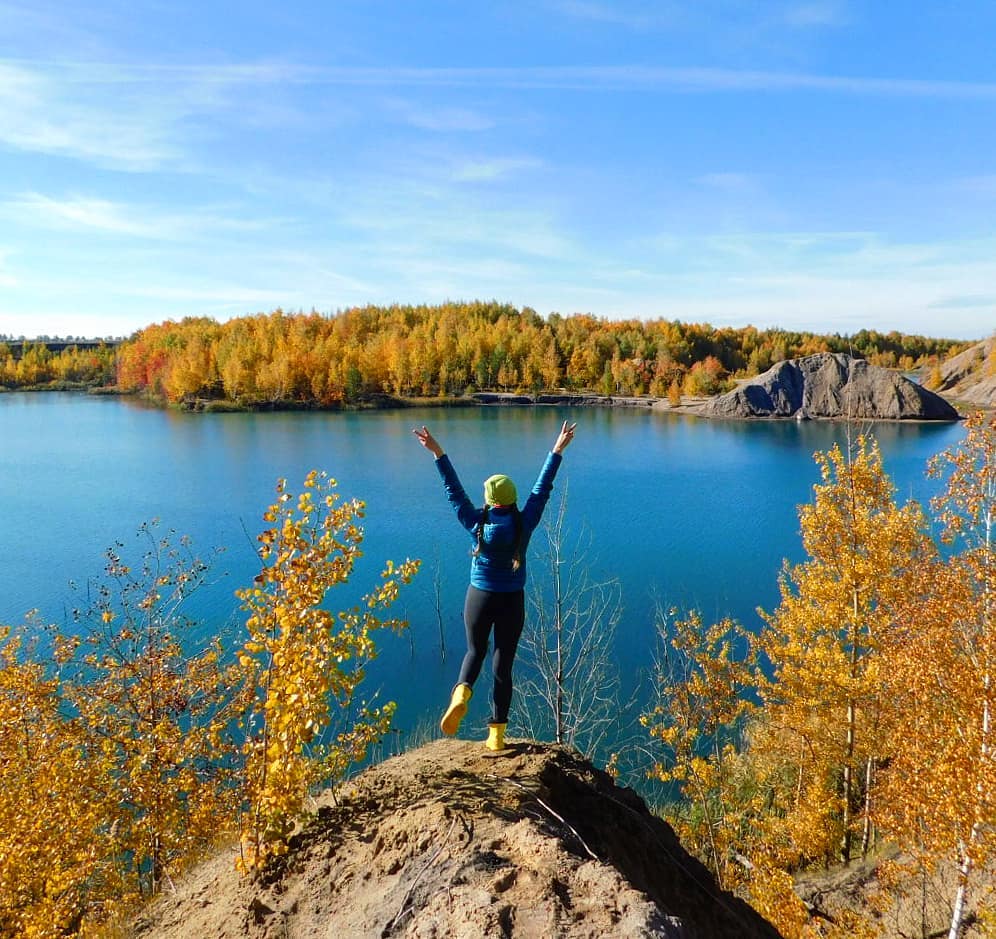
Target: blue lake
x=683, y=512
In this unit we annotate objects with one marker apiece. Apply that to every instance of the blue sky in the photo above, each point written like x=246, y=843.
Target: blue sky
x=826, y=165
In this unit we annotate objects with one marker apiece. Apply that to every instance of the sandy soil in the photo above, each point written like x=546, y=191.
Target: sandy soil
x=444, y=841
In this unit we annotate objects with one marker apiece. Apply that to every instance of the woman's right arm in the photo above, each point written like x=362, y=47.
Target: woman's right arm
x=428, y=441
x=468, y=515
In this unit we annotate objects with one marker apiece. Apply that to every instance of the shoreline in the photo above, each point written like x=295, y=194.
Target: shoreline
x=690, y=406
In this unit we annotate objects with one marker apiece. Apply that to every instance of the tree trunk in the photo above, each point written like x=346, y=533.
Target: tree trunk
x=958, y=914
x=966, y=865
x=845, y=845
x=848, y=785
x=866, y=829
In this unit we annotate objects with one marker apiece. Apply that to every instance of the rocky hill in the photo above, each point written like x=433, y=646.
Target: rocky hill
x=446, y=842
x=970, y=376
x=830, y=385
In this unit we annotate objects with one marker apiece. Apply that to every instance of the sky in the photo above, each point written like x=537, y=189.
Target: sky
x=826, y=165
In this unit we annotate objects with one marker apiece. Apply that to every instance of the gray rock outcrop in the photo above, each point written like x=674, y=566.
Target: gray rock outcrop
x=831, y=385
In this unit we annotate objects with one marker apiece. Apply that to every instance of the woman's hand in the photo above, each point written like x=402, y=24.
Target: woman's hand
x=429, y=442
x=565, y=437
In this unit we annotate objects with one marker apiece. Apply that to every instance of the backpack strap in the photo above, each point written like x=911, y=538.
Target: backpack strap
x=517, y=543
x=485, y=515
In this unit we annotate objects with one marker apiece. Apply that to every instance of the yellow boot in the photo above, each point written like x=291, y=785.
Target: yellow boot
x=450, y=723
x=496, y=737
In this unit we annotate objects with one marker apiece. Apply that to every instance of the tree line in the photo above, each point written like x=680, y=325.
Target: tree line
x=36, y=364
x=453, y=348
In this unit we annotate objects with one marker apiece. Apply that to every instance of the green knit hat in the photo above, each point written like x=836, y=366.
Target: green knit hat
x=499, y=490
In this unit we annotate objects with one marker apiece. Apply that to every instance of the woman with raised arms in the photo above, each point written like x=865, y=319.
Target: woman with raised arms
x=495, y=599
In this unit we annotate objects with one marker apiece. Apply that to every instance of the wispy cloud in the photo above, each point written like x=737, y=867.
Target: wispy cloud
x=78, y=213
x=815, y=14
x=82, y=213
x=635, y=16
x=970, y=301
x=489, y=169
x=439, y=118
x=714, y=15
x=406, y=219
x=984, y=186
x=801, y=279
x=201, y=79
x=7, y=279
x=231, y=295
x=40, y=115
x=731, y=183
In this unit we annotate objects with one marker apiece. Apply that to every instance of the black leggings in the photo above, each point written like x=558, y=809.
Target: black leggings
x=506, y=612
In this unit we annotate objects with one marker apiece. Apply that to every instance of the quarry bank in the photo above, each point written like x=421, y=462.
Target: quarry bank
x=825, y=386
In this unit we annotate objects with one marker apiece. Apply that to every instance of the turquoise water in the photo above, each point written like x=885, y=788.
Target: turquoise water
x=681, y=511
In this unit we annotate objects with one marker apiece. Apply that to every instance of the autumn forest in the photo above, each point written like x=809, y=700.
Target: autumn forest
x=282, y=359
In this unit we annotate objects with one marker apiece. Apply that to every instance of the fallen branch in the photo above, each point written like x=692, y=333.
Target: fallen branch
x=405, y=909
x=559, y=818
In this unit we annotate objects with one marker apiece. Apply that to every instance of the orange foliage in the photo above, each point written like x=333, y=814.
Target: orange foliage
x=406, y=351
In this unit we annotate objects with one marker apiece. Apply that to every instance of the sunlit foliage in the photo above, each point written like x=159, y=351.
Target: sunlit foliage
x=128, y=747
x=824, y=699
x=57, y=861
x=154, y=706
x=302, y=359
x=939, y=793
x=301, y=660
x=874, y=695
x=34, y=365
x=702, y=687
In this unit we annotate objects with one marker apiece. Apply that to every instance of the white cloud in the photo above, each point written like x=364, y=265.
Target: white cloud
x=639, y=16
x=815, y=14
x=443, y=119
x=44, y=115
x=83, y=213
x=200, y=89
x=7, y=279
x=485, y=170
x=229, y=295
x=731, y=183
x=984, y=186
x=80, y=213
x=962, y=301
x=831, y=280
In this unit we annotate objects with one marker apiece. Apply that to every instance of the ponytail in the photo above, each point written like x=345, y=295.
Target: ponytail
x=516, y=543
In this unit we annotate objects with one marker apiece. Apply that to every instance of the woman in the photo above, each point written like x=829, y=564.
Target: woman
x=496, y=595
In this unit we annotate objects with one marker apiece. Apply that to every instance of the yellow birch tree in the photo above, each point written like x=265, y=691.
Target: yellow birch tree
x=940, y=790
x=823, y=700
x=301, y=661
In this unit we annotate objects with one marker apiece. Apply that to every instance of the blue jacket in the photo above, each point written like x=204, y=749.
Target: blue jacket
x=491, y=569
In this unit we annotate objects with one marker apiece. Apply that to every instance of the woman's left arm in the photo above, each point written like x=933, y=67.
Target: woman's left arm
x=565, y=437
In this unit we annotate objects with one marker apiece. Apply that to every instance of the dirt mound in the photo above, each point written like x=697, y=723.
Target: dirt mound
x=831, y=385
x=445, y=842
x=970, y=376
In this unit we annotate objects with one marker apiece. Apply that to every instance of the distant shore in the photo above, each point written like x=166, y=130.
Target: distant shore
x=691, y=406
